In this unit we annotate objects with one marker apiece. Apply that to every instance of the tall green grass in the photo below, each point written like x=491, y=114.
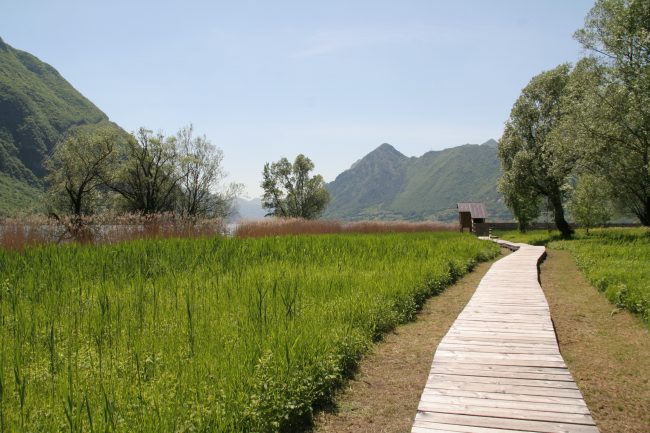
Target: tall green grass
x=218, y=334
x=532, y=237
x=615, y=260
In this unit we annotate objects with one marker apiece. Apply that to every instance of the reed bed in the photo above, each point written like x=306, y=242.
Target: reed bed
x=297, y=226
x=19, y=233
x=220, y=334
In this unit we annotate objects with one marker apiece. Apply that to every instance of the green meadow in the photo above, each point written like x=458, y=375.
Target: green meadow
x=212, y=334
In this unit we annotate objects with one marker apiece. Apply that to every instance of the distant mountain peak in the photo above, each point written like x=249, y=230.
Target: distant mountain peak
x=385, y=146
x=387, y=149
x=491, y=143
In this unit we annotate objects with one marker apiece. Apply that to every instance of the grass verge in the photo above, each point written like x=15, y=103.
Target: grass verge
x=607, y=351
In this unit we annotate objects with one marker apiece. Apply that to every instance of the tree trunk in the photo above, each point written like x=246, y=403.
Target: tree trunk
x=644, y=216
x=558, y=213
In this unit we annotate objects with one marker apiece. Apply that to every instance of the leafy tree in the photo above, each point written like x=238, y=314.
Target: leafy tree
x=610, y=100
x=289, y=191
x=590, y=202
x=150, y=177
x=524, y=206
x=201, y=172
x=533, y=165
x=79, y=167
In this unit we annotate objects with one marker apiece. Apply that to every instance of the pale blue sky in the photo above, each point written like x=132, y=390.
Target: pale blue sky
x=330, y=79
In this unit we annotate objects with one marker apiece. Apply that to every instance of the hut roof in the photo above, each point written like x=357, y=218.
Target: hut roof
x=476, y=210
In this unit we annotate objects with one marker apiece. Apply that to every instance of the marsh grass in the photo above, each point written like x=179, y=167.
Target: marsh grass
x=209, y=334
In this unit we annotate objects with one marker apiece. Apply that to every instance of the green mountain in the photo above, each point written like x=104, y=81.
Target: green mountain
x=37, y=107
x=385, y=184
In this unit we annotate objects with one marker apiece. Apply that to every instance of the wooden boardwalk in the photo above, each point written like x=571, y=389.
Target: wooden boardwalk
x=499, y=368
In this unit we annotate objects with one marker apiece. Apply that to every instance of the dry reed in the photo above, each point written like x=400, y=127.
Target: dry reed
x=297, y=226
x=20, y=233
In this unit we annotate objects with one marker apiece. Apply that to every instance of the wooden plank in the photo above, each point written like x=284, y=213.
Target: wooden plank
x=495, y=387
x=501, y=336
x=491, y=342
x=499, y=349
x=422, y=418
x=494, y=367
x=462, y=365
x=505, y=326
x=502, y=356
x=522, y=414
x=435, y=427
x=573, y=401
x=504, y=374
x=503, y=380
x=432, y=430
x=505, y=362
x=506, y=404
x=469, y=321
x=506, y=332
x=533, y=335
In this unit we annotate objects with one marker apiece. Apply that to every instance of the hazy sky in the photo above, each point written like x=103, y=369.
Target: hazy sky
x=330, y=79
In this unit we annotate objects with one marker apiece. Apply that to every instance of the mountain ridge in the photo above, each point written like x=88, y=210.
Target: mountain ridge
x=385, y=184
x=37, y=108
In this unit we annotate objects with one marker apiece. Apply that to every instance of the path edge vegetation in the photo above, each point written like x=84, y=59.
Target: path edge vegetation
x=593, y=251
x=352, y=353
x=384, y=394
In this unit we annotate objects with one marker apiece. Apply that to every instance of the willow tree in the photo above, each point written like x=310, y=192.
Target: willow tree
x=290, y=191
x=591, y=202
x=202, y=173
x=80, y=166
x=534, y=165
x=525, y=205
x=149, y=177
x=610, y=101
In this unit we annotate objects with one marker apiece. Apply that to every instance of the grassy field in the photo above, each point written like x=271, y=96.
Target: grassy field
x=213, y=334
x=614, y=260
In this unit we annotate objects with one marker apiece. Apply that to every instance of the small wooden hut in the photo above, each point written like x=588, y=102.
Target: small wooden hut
x=470, y=214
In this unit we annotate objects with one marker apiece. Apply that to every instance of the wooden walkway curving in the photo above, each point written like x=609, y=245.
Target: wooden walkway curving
x=499, y=368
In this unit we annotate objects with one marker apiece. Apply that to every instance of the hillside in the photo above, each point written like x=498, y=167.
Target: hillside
x=37, y=106
x=385, y=184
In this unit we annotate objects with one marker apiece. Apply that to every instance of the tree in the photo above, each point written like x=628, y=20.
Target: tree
x=532, y=162
x=201, y=172
x=590, y=202
x=610, y=113
x=149, y=179
x=290, y=192
x=525, y=206
x=79, y=167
